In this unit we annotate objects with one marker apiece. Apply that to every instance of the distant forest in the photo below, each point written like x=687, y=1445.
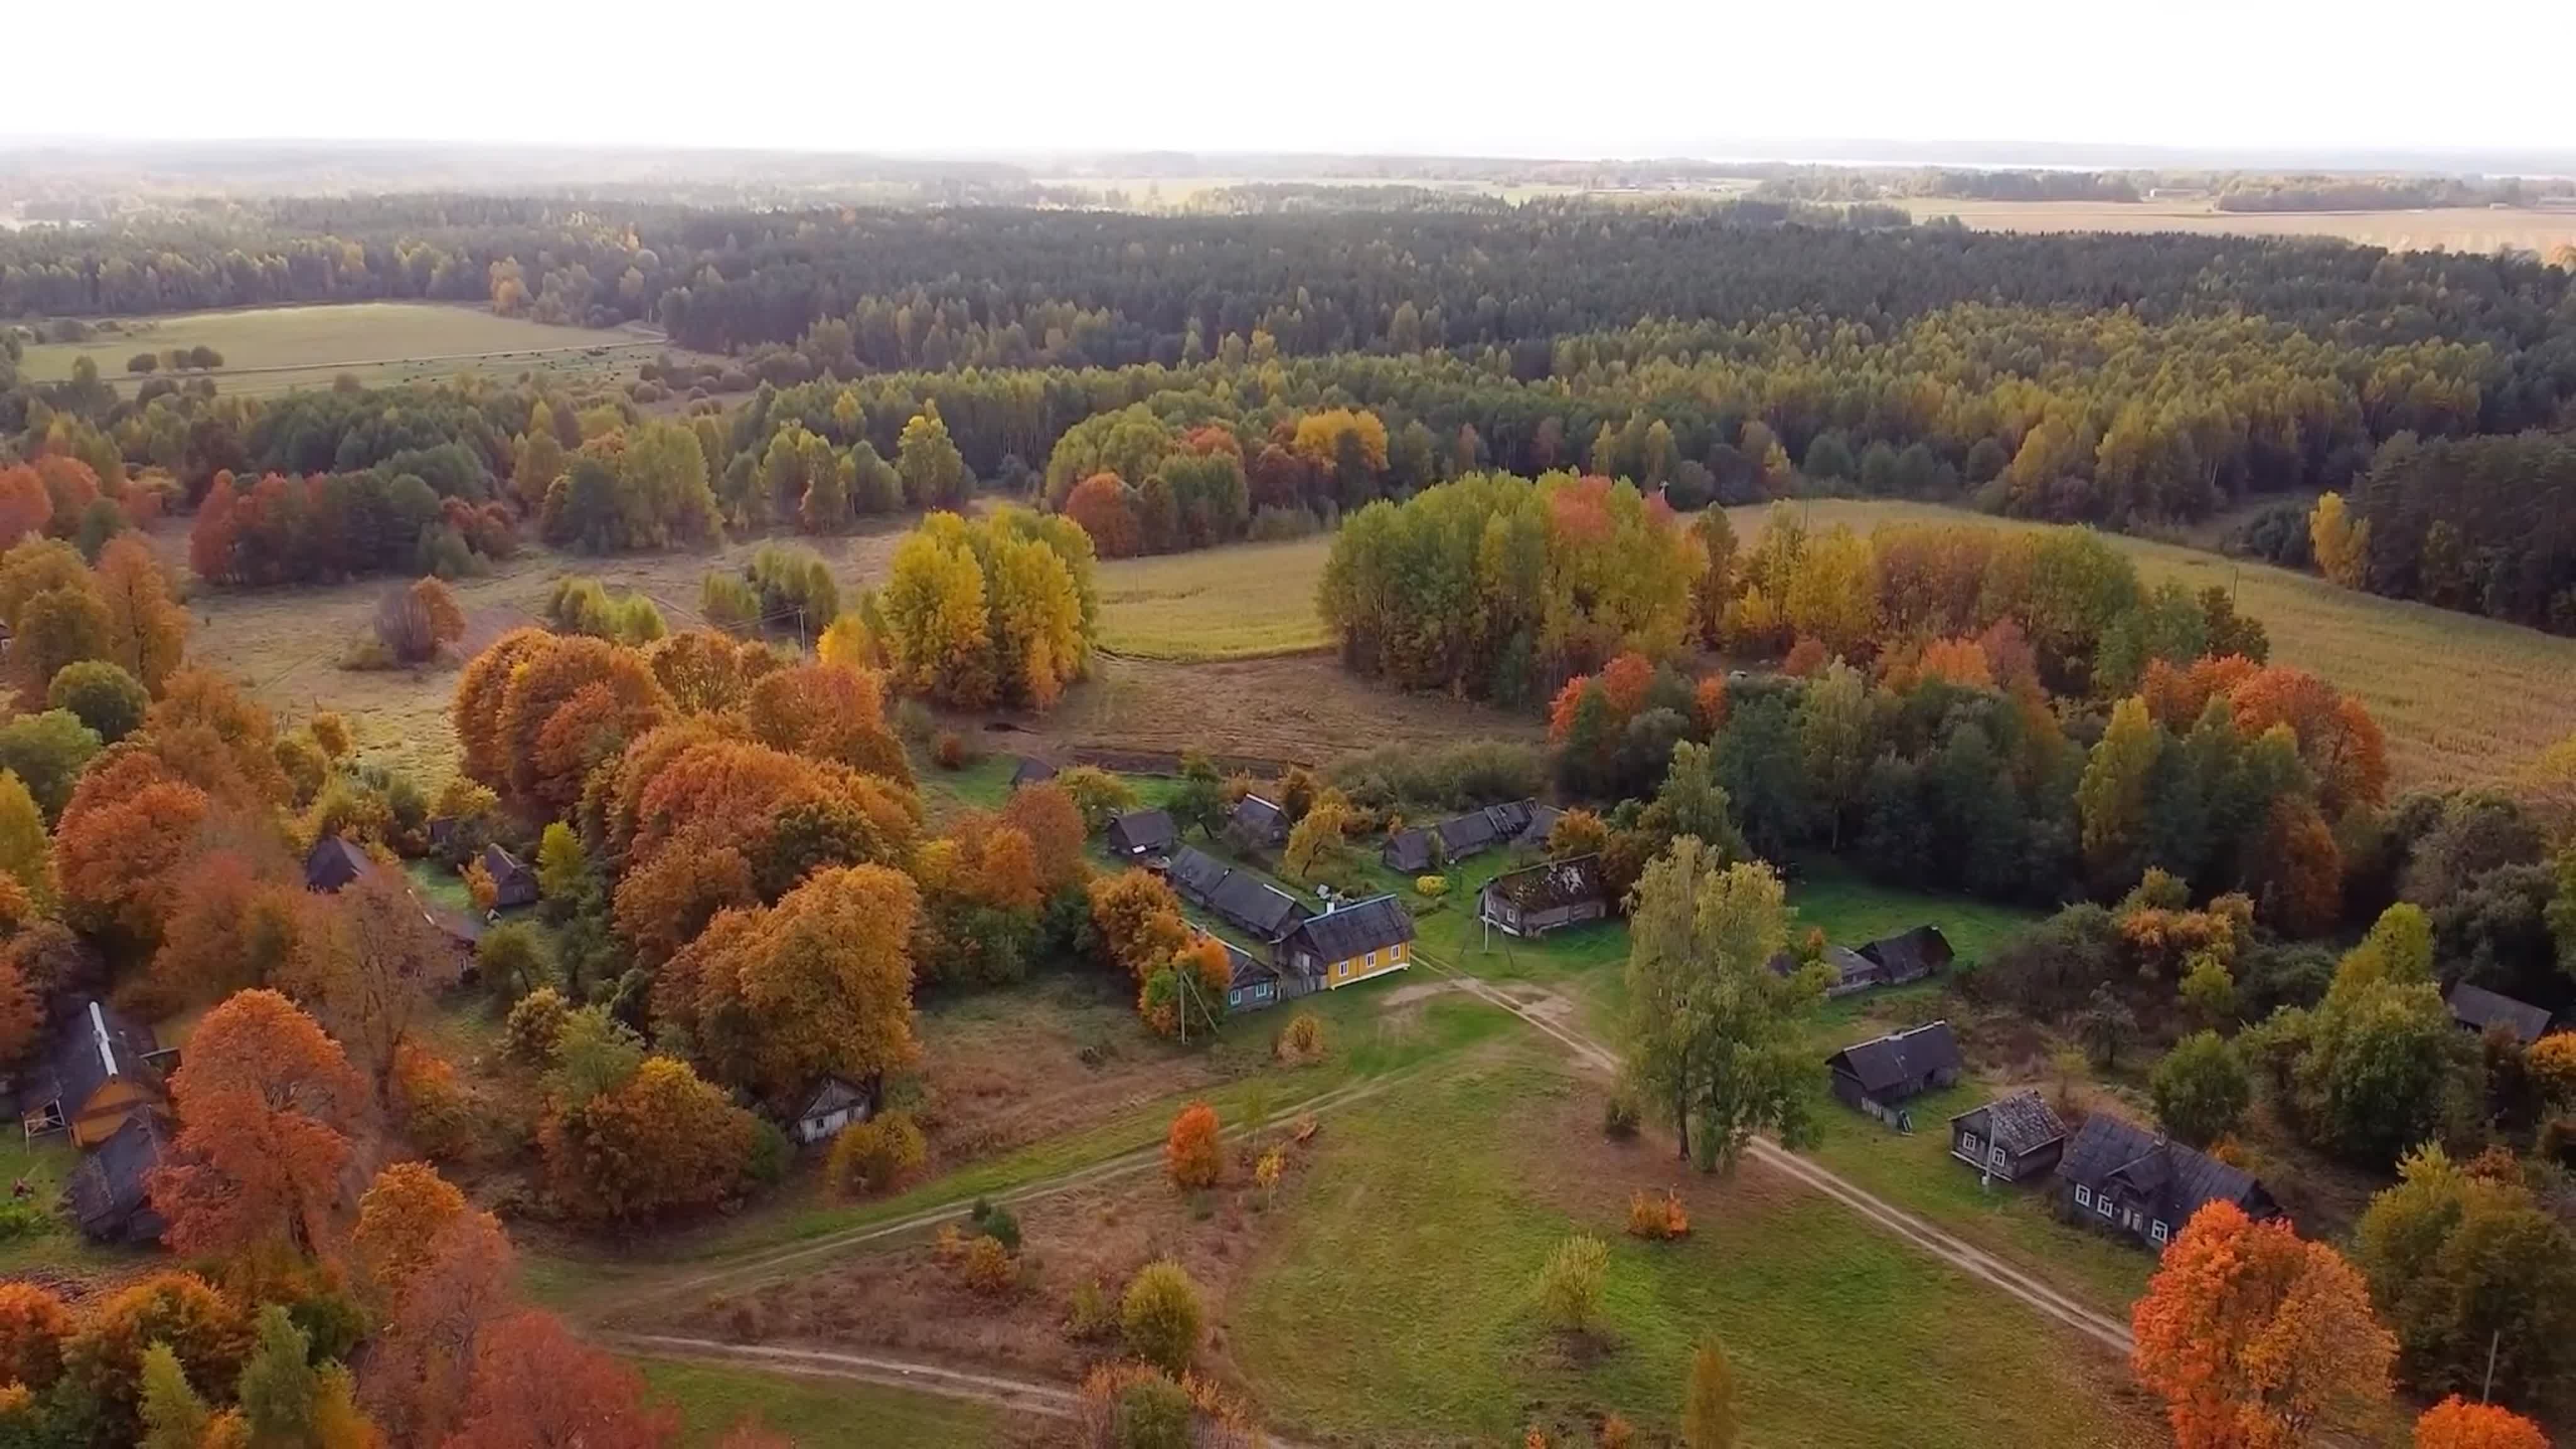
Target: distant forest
x=1719, y=352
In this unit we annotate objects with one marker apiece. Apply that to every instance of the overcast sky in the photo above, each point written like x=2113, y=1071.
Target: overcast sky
x=1605, y=78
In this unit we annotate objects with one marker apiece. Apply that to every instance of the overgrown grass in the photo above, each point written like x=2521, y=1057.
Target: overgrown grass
x=1229, y=603
x=44, y=1165
x=1390, y=1305
x=271, y=350
x=816, y=1413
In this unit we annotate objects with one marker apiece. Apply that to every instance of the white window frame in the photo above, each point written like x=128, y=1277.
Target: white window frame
x=2083, y=1196
x=2156, y=1232
x=1372, y=960
x=2102, y=1203
x=1995, y=1154
x=1969, y=1141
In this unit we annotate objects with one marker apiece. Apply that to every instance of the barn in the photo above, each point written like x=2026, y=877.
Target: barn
x=1878, y=1076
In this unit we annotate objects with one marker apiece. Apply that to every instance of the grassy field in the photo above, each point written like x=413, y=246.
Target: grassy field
x=816, y=1413
x=1230, y=603
x=1390, y=1304
x=276, y=349
x=2458, y=228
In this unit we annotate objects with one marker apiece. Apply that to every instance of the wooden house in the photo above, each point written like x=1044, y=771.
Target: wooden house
x=514, y=882
x=1143, y=834
x=2127, y=1181
x=1908, y=956
x=110, y=1193
x=1349, y=943
x=1031, y=771
x=1238, y=897
x=1258, y=824
x=1539, y=899
x=1410, y=851
x=333, y=862
x=1252, y=983
x=834, y=1105
x=2479, y=1010
x=2013, y=1137
x=102, y=1071
x=1878, y=1076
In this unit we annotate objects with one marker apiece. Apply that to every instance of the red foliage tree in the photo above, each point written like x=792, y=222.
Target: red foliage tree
x=1099, y=503
x=1194, y=1150
x=267, y=1106
x=535, y=1386
x=2338, y=739
x=417, y=1365
x=25, y=507
x=33, y=1325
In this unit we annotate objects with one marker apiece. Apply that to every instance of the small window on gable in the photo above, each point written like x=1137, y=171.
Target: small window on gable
x=2083, y=1195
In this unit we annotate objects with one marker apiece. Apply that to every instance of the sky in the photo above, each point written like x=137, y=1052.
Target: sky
x=1602, y=78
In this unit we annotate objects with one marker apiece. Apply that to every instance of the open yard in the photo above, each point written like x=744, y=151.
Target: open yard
x=2458, y=228
x=277, y=349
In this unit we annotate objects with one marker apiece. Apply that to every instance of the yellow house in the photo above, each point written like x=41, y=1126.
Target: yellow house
x=1350, y=943
x=103, y=1072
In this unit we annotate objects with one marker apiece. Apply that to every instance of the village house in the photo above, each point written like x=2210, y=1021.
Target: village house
x=1031, y=771
x=1350, y=943
x=1889, y=961
x=1251, y=983
x=834, y=1105
x=333, y=862
x=110, y=1193
x=2014, y=1137
x=1879, y=1075
x=1257, y=824
x=1409, y=851
x=1143, y=834
x=102, y=1071
x=2123, y=1179
x=1240, y=898
x=1539, y=899
x=2479, y=1010
x=514, y=884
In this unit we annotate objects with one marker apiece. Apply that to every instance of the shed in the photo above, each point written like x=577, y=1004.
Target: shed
x=111, y=1191
x=1877, y=1076
x=2123, y=1179
x=333, y=862
x=1031, y=771
x=834, y=1105
x=2014, y=1137
x=1909, y=955
x=2477, y=1009
x=1258, y=823
x=1350, y=943
x=1460, y=836
x=1141, y=833
x=1537, y=900
x=102, y=1071
x=514, y=883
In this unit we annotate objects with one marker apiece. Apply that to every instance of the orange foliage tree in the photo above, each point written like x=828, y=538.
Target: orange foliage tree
x=218, y=737
x=534, y=1384
x=33, y=1325
x=664, y=1140
x=708, y=669
x=826, y=712
x=372, y=968
x=235, y=926
x=147, y=630
x=1139, y=921
x=1194, y=1152
x=25, y=507
x=546, y=680
x=398, y=1221
x=267, y=1106
x=22, y=1011
x=119, y=856
x=476, y=709
x=1099, y=503
x=2338, y=739
x=2456, y=1423
x=2256, y=1339
x=103, y=1359
x=417, y=1363
x=1046, y=814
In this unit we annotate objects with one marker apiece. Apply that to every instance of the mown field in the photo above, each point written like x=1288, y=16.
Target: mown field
x=2454, y=228
x=1231, y=603
x=271, y=350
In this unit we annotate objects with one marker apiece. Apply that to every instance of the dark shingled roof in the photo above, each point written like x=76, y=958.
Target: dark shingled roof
x=1197, y=874
x=94, y=1045
x=1260, y=819
x=2176, y=1180
x=1473, y=833
x=2479, y=1008
x=1149, y=831
x=1240, y=896
x=1030, y=771
x=333, y=863
x=1355, y=930
x=110, y=1191
x=1245, y=969
x=1900, y=1056
x=1551, y=884
x=2017, y=1123
x=516, y=883
x=1918, y=952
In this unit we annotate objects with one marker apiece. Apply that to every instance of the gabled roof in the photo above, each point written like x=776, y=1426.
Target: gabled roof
x=2019, y=1122
x=831, y=1095
x=1260, y=818
x=1357, y=929
x=94, y=1046
x=1849, y=966
x=1197, y=874
x=1910, y=954
x=1146, y=830
x=1479, y=830
x=115, y=1181
x=515, y=882
x=1550, y=884
x=1240, y=896
x=2176, y=1180
x=1899, y=1058
x=1407, y=850
x=1030, y=771
x=1244, y=968
x=2479, y=1008
x=333, y=862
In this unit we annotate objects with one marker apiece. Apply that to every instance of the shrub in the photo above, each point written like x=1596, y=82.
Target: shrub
x=1266, y=1172
x=730, y=603
x=950, y=751
x=1159, y=1318
x=1569, y=1283
x=535, y=1025
x=1617, y=1433
x=872, y=1156
x=988, y=1268
x=1620, y=1115
x=330, y=731
x=1091, y=1318
x=998, y=1223
x=416, y=620
x=1194, y=1153
x=1657, y=1220
x=1431, y=887
x=1301, y=1040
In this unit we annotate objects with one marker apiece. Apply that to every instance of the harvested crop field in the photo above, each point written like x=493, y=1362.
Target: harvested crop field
x=2456, y=228
x=1295, y=708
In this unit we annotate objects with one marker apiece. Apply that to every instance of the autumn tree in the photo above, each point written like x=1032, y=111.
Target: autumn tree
x=534, y=1383
x=217, y=736
x=1194, y=1150
x=2111, y=800
x=371, y=969
x=238, y=924
x=2476, y=1276
x=1138, y=920
x=1159, y=1318
x=267, y=1108
x=2455, y=1423
x=827, y=712
x=1711, y=1035
x=417, y=1364
x=103, y=1359
x=289, y=1401
x=398, y=1220
x=1099, y=503
x=147, y=630
x=934, y=474
x=100, y=695
x=2253, y=1336
x=57, y=627
x=658, y=1141
x=26, y=855
x=2341, y=546
x=1708, y=1400
x=477, y=708
x=33, y=1325
x=119, y=858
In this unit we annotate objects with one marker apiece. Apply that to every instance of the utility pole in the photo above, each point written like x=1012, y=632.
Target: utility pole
x=2487, y=1385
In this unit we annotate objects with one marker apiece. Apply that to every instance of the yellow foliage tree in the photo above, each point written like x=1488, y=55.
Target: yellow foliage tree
x=2342, y=547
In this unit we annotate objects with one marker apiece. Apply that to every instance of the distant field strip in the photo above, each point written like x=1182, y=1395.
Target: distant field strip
x=271, y=349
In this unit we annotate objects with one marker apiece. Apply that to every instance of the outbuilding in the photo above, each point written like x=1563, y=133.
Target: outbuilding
x=2479, y=1010
x=834, y=1105
x=1543, y=897
x=1140, y=834
x=1879, y=1075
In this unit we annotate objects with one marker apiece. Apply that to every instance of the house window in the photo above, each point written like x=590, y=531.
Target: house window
x=2102, y=1203
x=2156, y=1231
x=1234, y=998
x=2083, y=1195
x=1969, y=1141
x=1372, y=960
x=1996, y=1156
